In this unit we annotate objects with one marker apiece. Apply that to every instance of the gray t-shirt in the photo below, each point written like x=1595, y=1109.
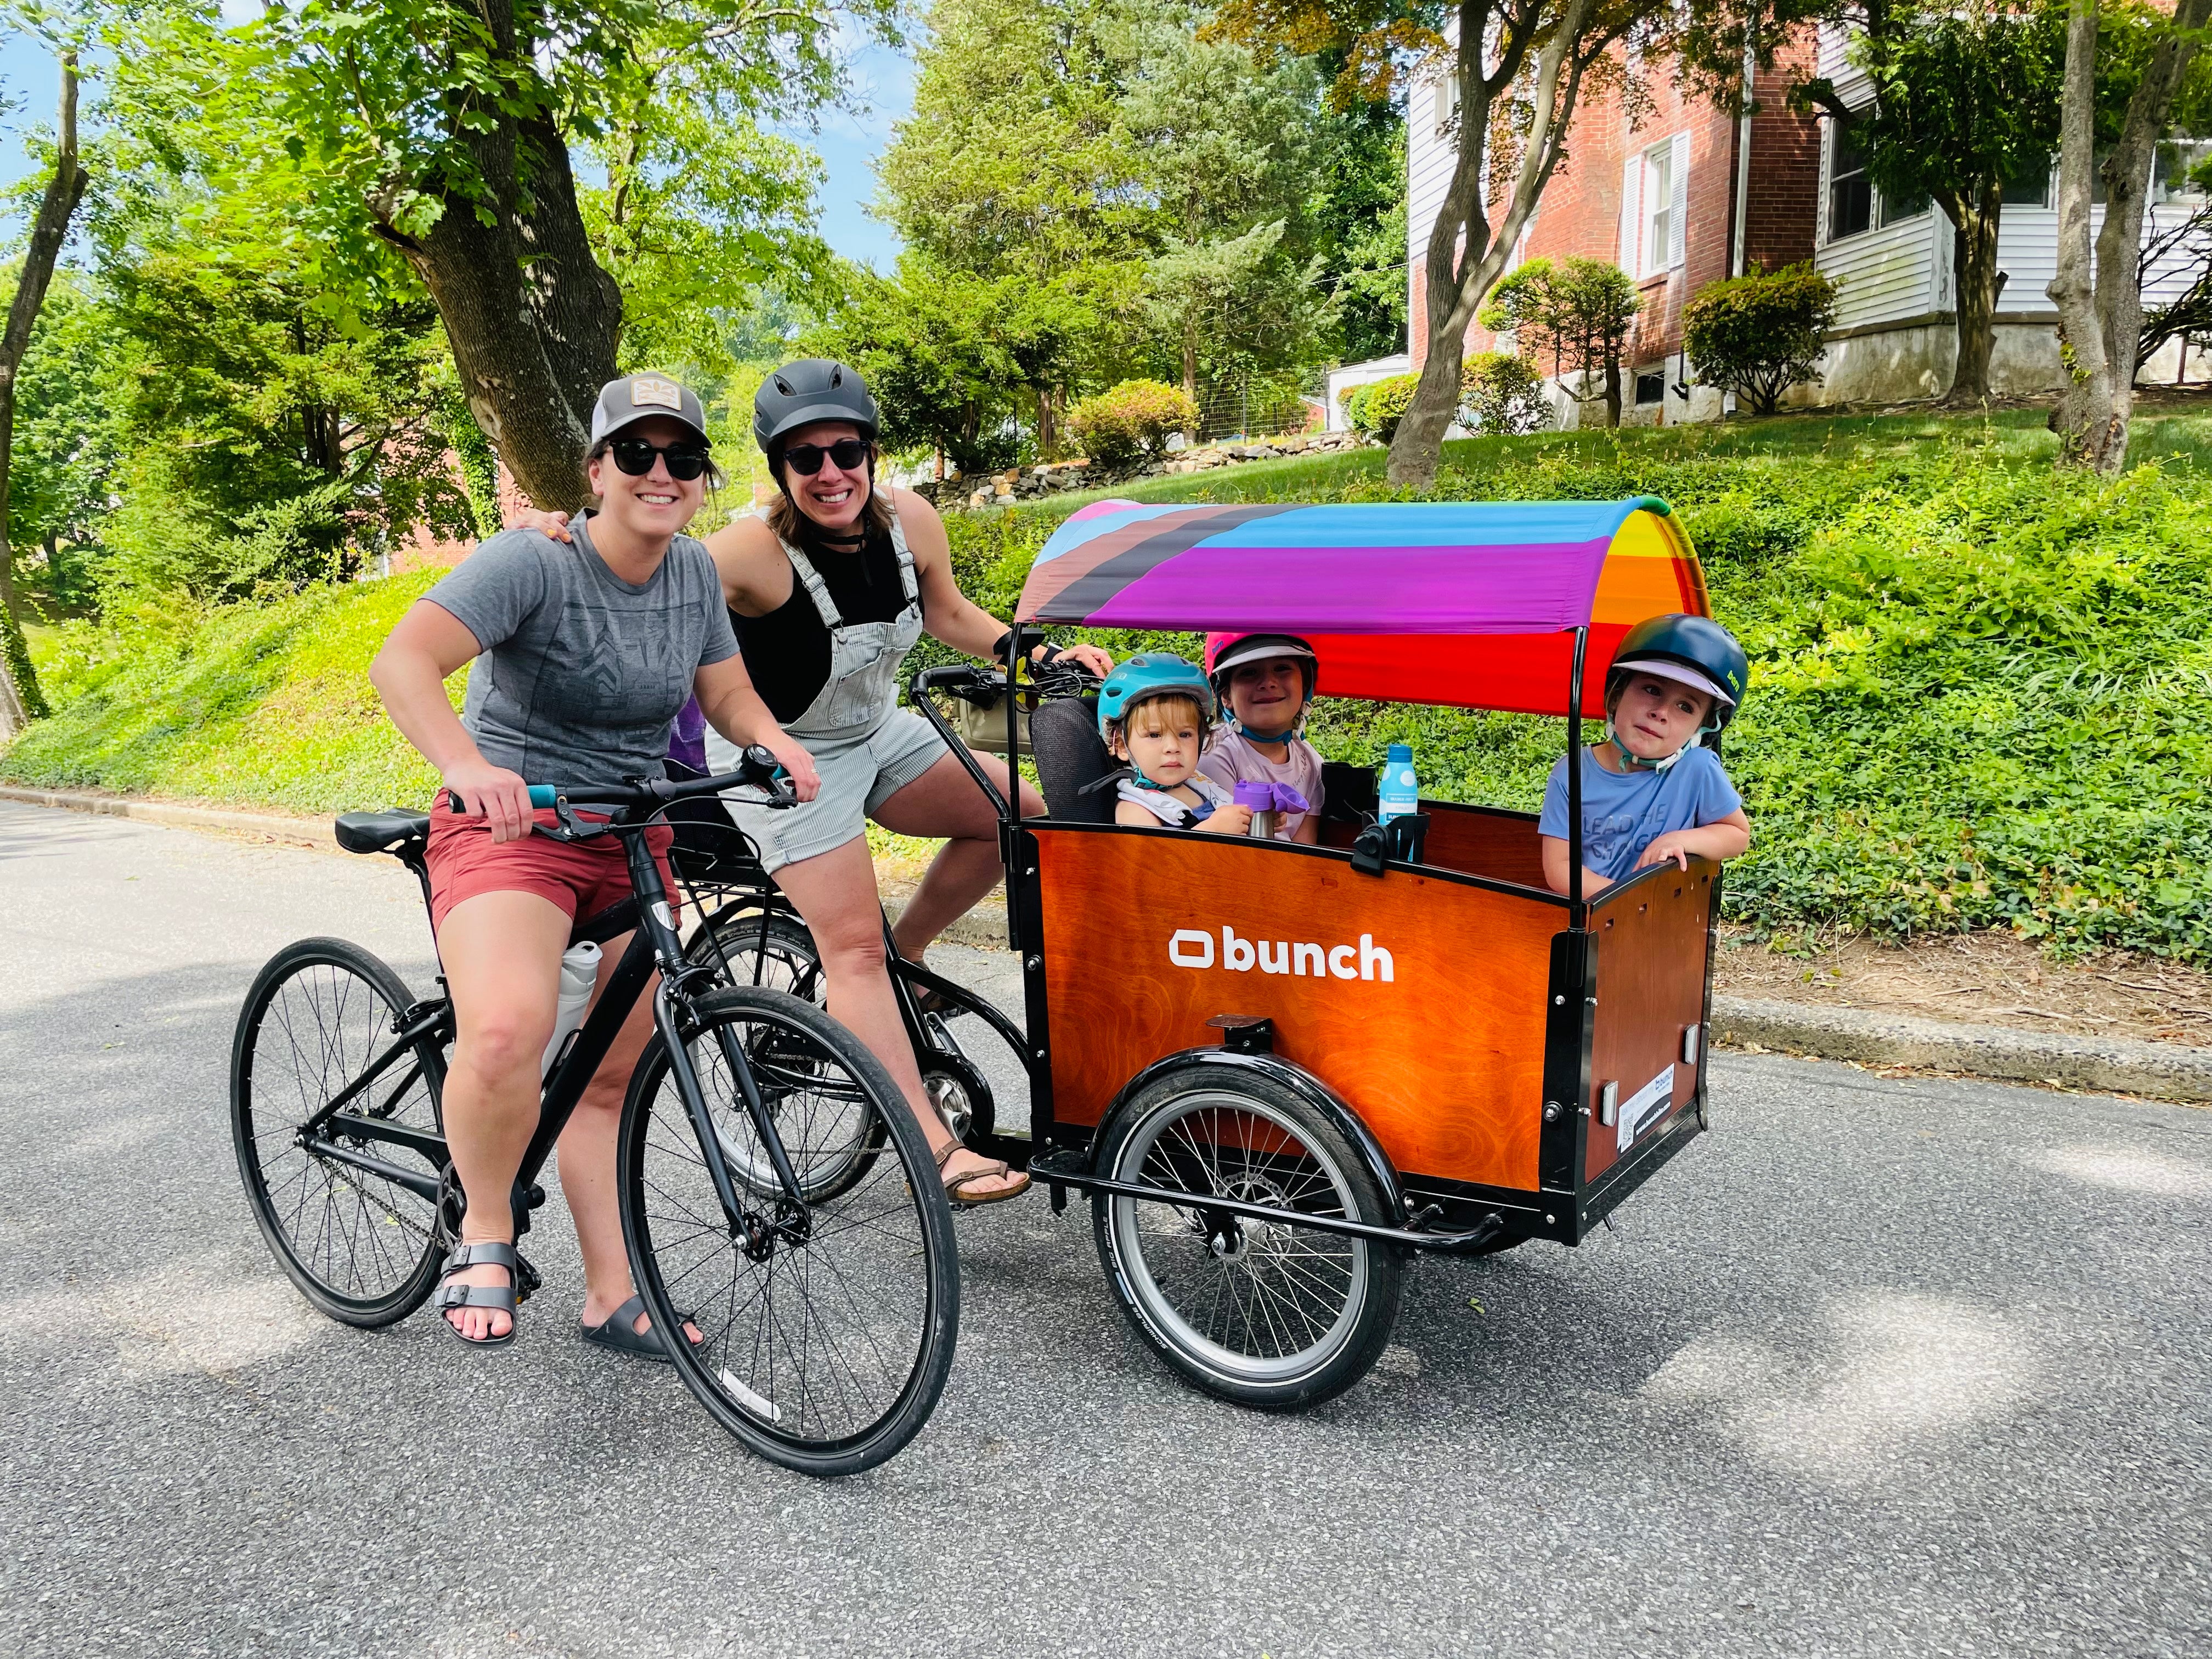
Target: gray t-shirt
x=581, y=671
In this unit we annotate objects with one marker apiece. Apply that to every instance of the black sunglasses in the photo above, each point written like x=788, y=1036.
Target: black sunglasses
x=848, y=452
x=635, y=456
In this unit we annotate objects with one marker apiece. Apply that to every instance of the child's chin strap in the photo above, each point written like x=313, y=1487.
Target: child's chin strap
x=1297, y=730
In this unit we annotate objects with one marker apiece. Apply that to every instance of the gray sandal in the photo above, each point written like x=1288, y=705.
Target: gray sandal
x=620, y=1333
x=956, y=1185
x=500, y=1297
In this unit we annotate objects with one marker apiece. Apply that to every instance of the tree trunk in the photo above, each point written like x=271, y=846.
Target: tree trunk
x=1456, y=278
x=1613, y=389
x=533, y=319
x=22, y=699
x=2099, y=299
x=1974, y=267
x=1190, y=373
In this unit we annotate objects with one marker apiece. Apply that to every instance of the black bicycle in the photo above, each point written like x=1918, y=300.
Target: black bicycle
x=757, y=1200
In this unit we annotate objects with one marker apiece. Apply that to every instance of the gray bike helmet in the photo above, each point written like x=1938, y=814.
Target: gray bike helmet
x=812, y=389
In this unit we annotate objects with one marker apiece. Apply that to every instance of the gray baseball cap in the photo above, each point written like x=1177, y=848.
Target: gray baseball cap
x=637, y=398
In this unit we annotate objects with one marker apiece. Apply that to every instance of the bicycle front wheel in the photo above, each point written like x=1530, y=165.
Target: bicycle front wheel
x=826, y=1331
x=361, y=1244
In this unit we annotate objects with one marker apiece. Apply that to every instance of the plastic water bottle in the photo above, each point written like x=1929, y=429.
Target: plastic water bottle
x=1398, y=793
x=580, y=969
x=1259, y=796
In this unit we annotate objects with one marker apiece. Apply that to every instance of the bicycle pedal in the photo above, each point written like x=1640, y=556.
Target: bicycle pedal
x=527, y=1279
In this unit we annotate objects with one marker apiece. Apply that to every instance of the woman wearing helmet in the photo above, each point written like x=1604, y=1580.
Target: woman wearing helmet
x=1651, y=792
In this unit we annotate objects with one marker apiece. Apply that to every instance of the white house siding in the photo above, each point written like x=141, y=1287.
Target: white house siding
x=1429, y=158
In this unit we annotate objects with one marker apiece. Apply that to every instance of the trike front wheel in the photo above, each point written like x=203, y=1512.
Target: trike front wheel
x=1264, y=1313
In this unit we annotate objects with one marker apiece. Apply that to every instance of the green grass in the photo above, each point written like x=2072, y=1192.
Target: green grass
x=1977, y=694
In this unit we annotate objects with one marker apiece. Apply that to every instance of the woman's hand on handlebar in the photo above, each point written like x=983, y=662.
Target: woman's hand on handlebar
x=798, y=766
x=555, y=524
x=1088, y=658
x=481, y=790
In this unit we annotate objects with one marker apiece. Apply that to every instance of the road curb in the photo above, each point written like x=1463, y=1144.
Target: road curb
x=2168, y=1071
x=299, y=831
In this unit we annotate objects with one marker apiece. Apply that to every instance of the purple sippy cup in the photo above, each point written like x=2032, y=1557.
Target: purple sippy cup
x=1260, y=798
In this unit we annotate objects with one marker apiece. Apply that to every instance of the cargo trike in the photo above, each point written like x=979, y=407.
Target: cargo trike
x=1277, y=1070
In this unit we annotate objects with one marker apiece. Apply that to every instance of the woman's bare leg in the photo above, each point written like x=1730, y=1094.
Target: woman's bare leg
x=586, y=1152
x=835, y=896
x=944, y=801
x=501, y=956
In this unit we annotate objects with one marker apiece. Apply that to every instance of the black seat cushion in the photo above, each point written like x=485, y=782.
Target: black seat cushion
x=402, y=834
x=1070, y=757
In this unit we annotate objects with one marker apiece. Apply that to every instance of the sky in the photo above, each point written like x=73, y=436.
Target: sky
x=848, y=143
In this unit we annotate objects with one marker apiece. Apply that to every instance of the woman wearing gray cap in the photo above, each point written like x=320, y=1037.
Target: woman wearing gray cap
x=584, y=645
x=828, y=587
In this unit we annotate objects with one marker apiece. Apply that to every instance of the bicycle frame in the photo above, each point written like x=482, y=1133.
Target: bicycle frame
x=654, y=945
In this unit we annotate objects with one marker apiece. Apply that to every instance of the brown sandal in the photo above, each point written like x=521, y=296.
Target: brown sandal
x=991, y=1171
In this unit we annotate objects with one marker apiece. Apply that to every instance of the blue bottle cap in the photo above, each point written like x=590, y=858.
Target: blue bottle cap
x=1401, y=752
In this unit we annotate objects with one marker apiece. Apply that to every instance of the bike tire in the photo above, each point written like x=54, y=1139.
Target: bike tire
x=786, y=961
x=1265, y=1314
x=360, y=1247
x=888, y=1309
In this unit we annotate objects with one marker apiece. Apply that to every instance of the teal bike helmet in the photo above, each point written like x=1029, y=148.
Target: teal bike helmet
x=1151, y=674
x=1693, y=651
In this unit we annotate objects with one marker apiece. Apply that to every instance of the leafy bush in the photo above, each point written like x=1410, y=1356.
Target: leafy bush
x=1761, y=334
x=1576, y=312
x=1131, y=421
x=1502, y=392
x=1380, y=406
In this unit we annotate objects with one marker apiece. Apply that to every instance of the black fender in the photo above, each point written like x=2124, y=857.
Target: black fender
x=1293, y=1076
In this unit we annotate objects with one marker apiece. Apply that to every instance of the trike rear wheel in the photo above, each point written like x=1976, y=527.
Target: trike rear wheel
x=1264, y=1313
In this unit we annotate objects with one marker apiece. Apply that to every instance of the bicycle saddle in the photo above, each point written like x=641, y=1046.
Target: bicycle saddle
x=398, y=833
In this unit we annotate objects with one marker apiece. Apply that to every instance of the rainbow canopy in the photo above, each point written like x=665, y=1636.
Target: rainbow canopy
x=1469, y=603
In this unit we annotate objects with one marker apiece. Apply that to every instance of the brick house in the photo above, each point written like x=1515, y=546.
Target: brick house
x=1690, y=194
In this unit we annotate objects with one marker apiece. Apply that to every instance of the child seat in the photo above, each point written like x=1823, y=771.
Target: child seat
x=1070, y=757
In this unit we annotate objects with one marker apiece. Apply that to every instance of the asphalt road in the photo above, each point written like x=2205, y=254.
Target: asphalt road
x=1876, y=1368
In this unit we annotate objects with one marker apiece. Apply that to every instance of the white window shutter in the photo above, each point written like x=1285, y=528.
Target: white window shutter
x=1678, y=217
x=1443, y=102
x=1632, y=219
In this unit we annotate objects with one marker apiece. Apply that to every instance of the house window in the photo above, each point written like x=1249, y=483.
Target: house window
x=1658, y=195
x=1850, y=192
x=1650, y=387
x=1854, y=204
x=2031, y=185
x=1447, y=100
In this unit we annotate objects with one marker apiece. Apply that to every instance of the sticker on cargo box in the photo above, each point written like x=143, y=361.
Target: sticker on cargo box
x=1645, y=1108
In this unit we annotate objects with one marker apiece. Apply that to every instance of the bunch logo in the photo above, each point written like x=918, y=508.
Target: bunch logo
x=1191, y=947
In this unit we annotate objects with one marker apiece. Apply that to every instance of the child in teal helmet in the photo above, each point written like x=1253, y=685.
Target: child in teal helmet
x=1153, y=712
x=1651, y=792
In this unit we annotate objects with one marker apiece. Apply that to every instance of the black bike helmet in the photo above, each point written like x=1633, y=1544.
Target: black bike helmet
x=812, y=389
x=1698, y=651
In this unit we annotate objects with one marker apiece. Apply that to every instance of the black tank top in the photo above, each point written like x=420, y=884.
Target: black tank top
x=787, y=651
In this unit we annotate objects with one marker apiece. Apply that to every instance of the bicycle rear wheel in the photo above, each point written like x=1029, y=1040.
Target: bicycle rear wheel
x=361, y=1246
x=827, y=1335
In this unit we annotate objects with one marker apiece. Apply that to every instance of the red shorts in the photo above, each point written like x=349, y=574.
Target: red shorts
x=582, y=878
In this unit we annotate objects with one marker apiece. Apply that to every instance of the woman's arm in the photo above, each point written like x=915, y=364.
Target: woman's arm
x=733, y=707
x=409, y=674
x=1556, y=867
x=946, y=612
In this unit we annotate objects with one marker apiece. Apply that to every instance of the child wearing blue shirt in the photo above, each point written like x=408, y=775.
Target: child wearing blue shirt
x=1651, y=792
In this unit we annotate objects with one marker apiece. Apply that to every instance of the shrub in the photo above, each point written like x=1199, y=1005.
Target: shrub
x=1382, y=405
x=1130, y=421
x=1500, y=392
x=1761, y=334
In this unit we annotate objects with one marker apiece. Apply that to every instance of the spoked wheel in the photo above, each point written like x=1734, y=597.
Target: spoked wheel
x=1264, y=1313
x=782, y=958
x=826, y=1332
x=360, y=1245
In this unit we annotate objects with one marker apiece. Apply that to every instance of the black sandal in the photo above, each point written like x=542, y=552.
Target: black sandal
x=500, y=1297
x=620, y=1333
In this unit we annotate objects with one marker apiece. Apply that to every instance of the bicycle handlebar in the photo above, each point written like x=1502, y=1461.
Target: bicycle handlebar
x=760, y=771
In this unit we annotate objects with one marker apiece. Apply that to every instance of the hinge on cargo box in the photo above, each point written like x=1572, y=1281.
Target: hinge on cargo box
x=1608, y=1104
